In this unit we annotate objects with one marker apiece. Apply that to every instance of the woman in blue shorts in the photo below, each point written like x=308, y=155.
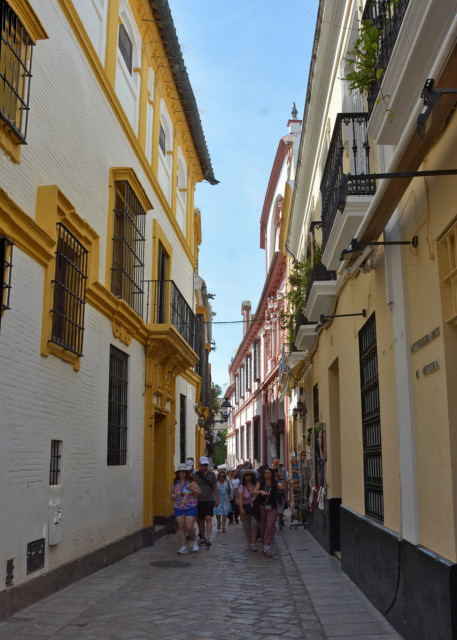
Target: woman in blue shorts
x=185, y=492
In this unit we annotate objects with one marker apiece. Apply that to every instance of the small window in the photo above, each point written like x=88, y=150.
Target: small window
x=6, y=263
x=128, y=247
x=117, y=407
x=69, y=292
x=182, y=427
x=162, y=140
x=15, y=71
x=125, y=47
x=56, y=456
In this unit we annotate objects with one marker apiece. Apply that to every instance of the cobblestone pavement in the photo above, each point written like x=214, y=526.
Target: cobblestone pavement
x=222, y=593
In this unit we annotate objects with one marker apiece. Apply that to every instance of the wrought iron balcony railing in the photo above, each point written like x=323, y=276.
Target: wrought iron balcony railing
x=348, y=153
x=166, y=304
x=387, y=16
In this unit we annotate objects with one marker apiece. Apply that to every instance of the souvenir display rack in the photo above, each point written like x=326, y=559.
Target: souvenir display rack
x=298, y=489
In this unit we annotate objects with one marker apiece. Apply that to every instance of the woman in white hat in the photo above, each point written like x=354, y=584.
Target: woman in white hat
x=185, y=492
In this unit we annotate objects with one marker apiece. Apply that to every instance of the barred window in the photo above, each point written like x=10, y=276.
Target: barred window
x=15, y=71
x=237, y=389
x=6, y=264
x=242, y=443
x=125, y=47
x=117, y=407
x=242, y=382
x=69, y=292
x=56, y=456
x=371, y=421
x=182, y=427
x=128, y=247
x=237, y=444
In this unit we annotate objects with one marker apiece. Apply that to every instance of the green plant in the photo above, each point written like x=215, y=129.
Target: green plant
x=299, y=279
x=365, y=64
x=317, y=428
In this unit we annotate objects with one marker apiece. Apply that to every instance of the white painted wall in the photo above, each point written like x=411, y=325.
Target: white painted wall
x=73, y=141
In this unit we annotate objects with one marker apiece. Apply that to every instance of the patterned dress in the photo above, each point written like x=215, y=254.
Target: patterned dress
x=224, y=506
x=185, y=499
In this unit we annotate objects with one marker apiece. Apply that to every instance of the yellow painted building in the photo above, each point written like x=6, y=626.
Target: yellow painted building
x=375, y=192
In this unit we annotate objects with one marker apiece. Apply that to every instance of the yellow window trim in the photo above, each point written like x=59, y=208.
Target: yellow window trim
x=158, y=235
x=53, y=207
x=22, y=8
x=108, y=88
x=119, y=174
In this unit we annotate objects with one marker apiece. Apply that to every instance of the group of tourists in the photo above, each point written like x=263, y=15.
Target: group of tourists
x=256, y=497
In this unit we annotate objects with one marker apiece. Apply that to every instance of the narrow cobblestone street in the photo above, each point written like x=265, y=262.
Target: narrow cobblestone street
x=222, y=593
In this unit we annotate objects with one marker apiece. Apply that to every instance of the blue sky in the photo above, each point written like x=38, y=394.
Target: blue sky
x=247, y=63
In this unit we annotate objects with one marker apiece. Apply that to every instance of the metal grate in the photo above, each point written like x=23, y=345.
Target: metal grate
x=128, y=247
x=15, y=71
x=56, y=456
x=256, y=448
x=117, y=407
x=69, y=292
x=35, y=555
x=371, y=421
x=6, y=264
x=182, y=427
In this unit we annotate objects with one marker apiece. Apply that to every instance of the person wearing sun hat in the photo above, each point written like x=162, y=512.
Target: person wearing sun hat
x=209, y=496
x=185, y=492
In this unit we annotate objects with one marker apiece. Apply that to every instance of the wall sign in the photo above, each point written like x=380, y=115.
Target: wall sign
x=430, y=368
x=425, y=340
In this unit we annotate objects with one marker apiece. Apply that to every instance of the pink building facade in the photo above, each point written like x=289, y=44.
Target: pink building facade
x=258, y=429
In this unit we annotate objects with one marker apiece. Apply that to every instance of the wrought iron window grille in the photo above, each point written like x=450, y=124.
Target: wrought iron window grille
x=128, y=247
x=371, y=421
x=16, y=49
x=56, y=456
x=6, y=266
x=117, y=407
x=69, y=292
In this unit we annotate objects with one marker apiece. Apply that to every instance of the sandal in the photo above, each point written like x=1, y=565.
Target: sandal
x=223, y=529
x=268, y=554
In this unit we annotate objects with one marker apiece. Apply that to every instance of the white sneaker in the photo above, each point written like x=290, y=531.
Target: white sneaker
x=195, y=546
x=182, y=550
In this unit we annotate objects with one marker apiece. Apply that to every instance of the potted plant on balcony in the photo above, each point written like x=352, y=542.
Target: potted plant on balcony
x=300, y=280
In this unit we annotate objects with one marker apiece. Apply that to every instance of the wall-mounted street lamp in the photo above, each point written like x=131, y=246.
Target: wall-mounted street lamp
x=430, y=96
x=323, y=319
x=226, y=408
x=299, y=410
x=356, y=248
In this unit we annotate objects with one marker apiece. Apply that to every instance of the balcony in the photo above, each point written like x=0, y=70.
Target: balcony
x=348, y=155
x=321, y=292
x=165, y=304
x=415, y=41
x=387, y=17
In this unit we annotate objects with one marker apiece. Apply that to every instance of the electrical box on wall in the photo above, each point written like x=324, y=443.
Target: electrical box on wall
x=55, y=524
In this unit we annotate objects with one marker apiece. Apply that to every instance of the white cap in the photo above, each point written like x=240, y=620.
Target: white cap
x=204, y=460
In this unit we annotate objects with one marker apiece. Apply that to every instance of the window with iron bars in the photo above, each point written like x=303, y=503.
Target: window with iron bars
x=128, y=247
x=371, y=421
x=15, y=72
x=237, y=444
x=69, y=292
x=257, y=360
x=6, y=264
x=182, y=427
x=117, y=407
x=248, y=441
x=56, y=456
